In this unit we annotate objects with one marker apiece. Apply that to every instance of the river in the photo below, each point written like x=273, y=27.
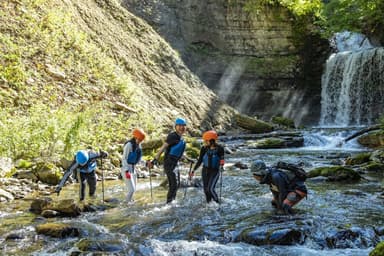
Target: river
x=335, y=219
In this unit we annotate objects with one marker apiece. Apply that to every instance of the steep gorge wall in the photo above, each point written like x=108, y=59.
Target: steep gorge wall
x=251, y=61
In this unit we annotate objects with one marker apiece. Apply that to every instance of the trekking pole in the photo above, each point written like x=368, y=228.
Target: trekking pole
x=221, y=183
x=102, y=177
x=150, y=177
x=188, y=181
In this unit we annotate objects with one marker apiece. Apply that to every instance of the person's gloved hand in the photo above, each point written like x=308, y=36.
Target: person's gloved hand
x=127, y=175
x=103, y=154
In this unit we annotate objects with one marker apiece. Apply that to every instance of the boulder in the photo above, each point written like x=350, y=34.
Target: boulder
x=252, y=124
x=285, y=236
x=335, y=173
x=99, y=245
x=48, y=173
x=6, y=195
x=59, y=230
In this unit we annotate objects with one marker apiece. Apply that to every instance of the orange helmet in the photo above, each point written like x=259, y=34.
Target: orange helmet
x=210, y=135
x=138, y=134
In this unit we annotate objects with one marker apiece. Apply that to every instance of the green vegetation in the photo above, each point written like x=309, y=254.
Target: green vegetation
x=379, y=250
x=366, y=16
x=283, y=121
x=58, y=86
x=328, y=17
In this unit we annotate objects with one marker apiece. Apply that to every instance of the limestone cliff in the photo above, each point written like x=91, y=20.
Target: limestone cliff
x=250, y=60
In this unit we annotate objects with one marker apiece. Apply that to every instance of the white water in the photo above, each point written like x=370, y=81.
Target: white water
x=353, y=83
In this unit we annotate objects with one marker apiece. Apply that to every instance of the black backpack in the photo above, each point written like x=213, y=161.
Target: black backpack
x=299, y=172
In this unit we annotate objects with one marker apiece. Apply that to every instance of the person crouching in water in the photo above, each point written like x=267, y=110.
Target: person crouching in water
x=287, y=191
x=85, y=162
x=132, y=154
x=212, y=158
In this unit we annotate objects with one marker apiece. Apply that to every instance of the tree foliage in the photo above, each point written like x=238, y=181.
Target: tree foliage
x=330, y=16
x=366, y=16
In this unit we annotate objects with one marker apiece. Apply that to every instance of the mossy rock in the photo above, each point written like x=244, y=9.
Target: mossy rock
x=378, y=251
x=252, y=124
x=66, y=207
x=269, y=143
x=335, y=173
x=98, y=245
x=358, y=159
x=23, y=164
x=48, y=173
x=59, y=230
x=374, y=167
x=283, y=121
x=372, y=140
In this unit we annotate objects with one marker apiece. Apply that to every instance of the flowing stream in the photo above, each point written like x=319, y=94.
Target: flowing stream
x=336, y=218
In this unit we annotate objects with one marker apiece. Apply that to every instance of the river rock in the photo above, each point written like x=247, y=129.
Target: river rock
x=352, y=238
x=99, y=245
x=252, y=124
x=47, y=173
x=335, y=173
x=358, y=159
x=49, y=214
x=377, y=156
x=39, y=204
x=59, y=230
x=6, y=195
x=277, y=237
x=66, y=207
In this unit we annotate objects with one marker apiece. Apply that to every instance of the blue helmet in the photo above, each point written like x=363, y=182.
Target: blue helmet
x=259, y=168
x=180, y=121
x=82, y=157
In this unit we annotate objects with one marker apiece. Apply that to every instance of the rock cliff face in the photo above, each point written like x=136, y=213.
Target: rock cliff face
x=250, y=60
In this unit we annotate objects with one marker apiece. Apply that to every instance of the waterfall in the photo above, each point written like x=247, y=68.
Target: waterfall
x=353, y=88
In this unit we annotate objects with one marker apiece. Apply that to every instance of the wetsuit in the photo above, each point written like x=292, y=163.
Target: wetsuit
x=173, y=153
x=211, y=159
x=287, y=190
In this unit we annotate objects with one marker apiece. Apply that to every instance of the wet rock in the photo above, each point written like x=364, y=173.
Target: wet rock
x=98, y=245
x=352, y=238
x=14, y=236
x=39, y=204
x=377, y=156
x=276, y=237
x=374, y=167
x=49, y=213
x=241, y=165
x=59, y=230
x=335, y=173
x=358, y=159
x=372, y=140
x=66, y=207
x=6, y=195
x=252, y=124
x=379, y=231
